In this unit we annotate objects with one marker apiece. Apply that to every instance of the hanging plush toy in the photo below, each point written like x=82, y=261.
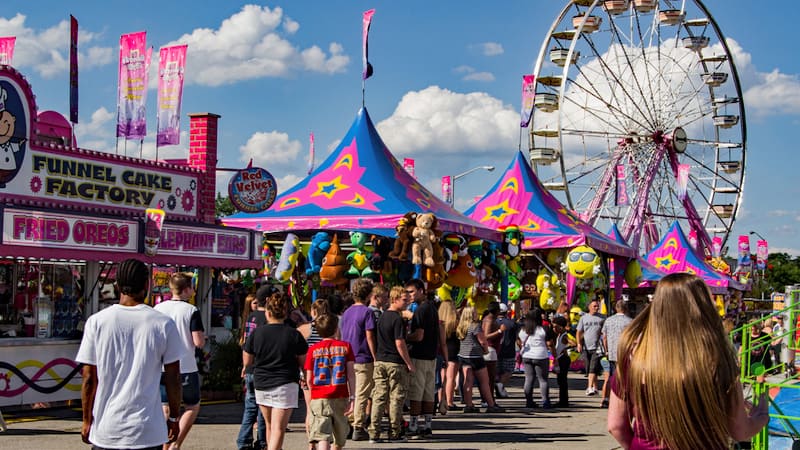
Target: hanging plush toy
x=270, y=262
x=359, y=258
x=454, y=246
x=334, y=265
x=380, y=262
x=583, y=262
x=549, y=290
x=422, y=248
x=320, y=243
x=633, y=274
x=402, y=244
x=289, y=255
x=512, y=241
x=460, y=281
x=475, y=250
x=514, y=288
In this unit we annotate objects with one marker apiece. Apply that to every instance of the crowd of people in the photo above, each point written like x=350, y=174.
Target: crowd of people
x=379, y=352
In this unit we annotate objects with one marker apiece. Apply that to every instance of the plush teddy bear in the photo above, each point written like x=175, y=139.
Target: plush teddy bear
x=424, y=237
x=402, y=245
x=320, y=243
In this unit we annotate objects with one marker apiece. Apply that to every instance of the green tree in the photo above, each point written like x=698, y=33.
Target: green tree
x=782, y=270
x=223, y=206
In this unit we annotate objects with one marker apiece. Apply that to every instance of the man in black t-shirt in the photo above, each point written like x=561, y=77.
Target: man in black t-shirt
x=392, y=366
x=426, y=336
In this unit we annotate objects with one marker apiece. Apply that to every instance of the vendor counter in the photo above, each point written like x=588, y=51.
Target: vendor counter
x=38, y=370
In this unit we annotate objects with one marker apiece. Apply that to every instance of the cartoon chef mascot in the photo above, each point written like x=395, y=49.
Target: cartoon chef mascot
x=9, y=144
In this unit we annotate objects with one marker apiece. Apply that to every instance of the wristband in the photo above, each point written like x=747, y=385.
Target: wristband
x=172, y=419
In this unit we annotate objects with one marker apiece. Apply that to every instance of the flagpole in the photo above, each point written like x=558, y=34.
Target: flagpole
x=141, y=145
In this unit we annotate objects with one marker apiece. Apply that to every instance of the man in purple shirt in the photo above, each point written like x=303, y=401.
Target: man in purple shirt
x=358, y=328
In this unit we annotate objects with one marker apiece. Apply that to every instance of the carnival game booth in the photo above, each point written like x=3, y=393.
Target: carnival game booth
x=363, y=189
x=549, y=231
x=675, y=254
x=68, y=215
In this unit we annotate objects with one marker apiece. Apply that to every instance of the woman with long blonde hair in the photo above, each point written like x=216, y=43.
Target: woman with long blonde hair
x=470, y=356
x=449, y=319
x=677, y=383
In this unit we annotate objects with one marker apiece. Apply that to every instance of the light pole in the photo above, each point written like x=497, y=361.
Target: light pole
x=760, y=236
x=463, y=174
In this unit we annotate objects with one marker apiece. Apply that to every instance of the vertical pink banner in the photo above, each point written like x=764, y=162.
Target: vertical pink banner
x=692, y=238
x=131, y=116
x=7, y=50
x=683, y=180
x=744, y=253
x=716, y=247
x=408, y=164
x=622, y=187
x=447, y=189
x=366, y=22
x=73, y=69
x=171, y=68
x=310, y=153
x=762, y=252
x=528, y=93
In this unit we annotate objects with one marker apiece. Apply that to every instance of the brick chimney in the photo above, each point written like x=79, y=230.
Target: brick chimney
x=203, y=156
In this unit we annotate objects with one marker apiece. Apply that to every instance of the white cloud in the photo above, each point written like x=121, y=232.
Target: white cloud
x=790, y=251
x=777, y=94
x=249, y=45
x=470, y=74
x=490, y=48
x=780, y=213
x=479, y=76
x=270, y=149
x=46, y=51
x=445, y=122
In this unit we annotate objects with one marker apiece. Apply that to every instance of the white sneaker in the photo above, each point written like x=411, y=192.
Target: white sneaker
x=501, y=390
x=591, y=392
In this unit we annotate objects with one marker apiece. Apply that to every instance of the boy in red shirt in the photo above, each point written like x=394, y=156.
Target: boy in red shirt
x=331, y=378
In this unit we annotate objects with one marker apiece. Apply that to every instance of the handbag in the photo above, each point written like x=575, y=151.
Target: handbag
x=600, y=349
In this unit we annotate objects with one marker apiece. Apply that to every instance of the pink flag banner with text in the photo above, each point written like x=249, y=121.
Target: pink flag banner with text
x=743, y=256
x=171, y=68
x=310, y=153
x=367, y=21
x=528, y=93
x=131, y=117
x=762, y=252
x=716, y=247
x=7, y=50
x=622, y=187
x=447, y=189
x=408, y=164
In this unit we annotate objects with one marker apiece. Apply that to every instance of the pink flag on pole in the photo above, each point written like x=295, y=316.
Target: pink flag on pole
x=447, y=189
x=622, y=187
x=311, y=153
x=131, y=117
x=171, y=68
x=744, y=253
x=692, y=238
x=73, y=69
x=528, y=93
x=408, y=164
x=716, y=247
x=367, y=20
x=762, y=251
x=7, y=50
x=683, y=180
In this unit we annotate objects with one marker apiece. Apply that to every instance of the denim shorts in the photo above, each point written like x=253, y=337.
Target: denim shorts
x=190, y=387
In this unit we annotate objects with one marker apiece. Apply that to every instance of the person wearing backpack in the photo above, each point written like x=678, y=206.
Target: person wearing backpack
x=507, y=353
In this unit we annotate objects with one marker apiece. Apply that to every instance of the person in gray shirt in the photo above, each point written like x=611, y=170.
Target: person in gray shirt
x=612, y=331
x=589, y=329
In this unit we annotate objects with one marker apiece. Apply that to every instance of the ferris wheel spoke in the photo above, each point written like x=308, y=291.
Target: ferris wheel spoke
x=605, y=102
x=644, y=58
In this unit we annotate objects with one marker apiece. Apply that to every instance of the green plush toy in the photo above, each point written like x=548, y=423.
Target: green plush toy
x=359, y=259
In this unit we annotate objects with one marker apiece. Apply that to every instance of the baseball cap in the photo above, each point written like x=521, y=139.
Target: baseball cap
x=503, y=307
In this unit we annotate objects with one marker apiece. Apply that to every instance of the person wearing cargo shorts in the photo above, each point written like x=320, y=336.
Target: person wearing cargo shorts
x=392, y=367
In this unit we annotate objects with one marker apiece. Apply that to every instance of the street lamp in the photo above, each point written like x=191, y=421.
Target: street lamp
x=463, y=174
x=760, y=236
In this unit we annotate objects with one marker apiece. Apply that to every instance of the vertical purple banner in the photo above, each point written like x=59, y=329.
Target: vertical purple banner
x=73, y=69
x=447, y=189
x=762, y=252
x=366, y=22
x=131, y=117
x=683, y=180
x=171, y=68
x=622, y=187
x=528, y=94
x=7, y=50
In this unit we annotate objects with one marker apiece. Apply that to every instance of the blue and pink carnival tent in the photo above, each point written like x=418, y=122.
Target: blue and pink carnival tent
x=359, y=187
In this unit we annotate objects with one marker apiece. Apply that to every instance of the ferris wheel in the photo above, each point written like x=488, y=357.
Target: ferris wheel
x=638, y=118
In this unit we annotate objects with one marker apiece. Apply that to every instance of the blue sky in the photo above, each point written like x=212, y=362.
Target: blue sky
x=446, y=88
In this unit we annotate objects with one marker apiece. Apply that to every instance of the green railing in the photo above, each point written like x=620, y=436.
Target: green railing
x=778, y=373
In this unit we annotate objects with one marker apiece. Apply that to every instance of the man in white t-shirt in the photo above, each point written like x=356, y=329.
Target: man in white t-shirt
x=123, y=350
x=192, y=335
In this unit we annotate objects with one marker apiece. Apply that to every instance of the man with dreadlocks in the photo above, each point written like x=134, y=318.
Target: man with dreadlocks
x=123, y=350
